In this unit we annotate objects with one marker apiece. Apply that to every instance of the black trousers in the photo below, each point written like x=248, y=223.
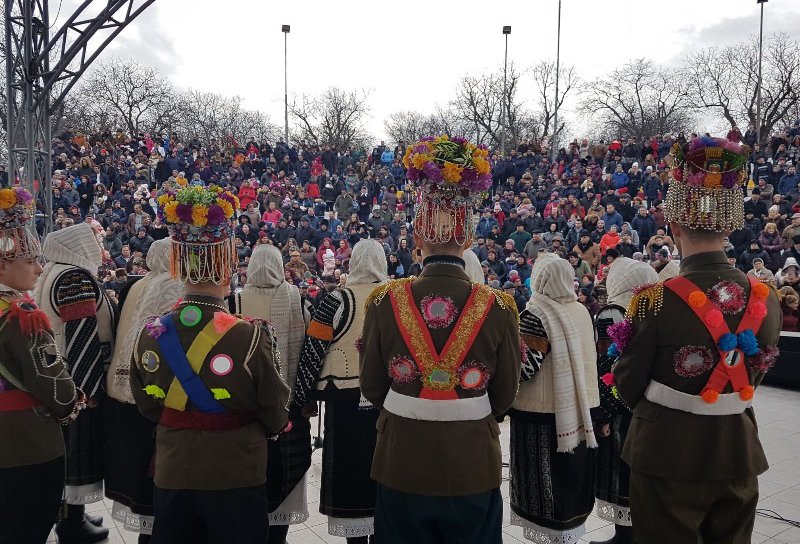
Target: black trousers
x=30, y=497
x=211, y=517
x=401, y=518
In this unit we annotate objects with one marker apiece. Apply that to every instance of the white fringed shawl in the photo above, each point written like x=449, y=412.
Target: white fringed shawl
x=552, y=286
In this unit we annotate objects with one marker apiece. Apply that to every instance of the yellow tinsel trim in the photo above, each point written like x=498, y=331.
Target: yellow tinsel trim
x=504, y=300
x=649, y=300
x=377, y=294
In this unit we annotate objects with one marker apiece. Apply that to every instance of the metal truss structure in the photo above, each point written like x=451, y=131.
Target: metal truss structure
x=36, y=64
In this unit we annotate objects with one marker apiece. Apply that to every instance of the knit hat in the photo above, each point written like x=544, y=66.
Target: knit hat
x=450, y=176
x=706, y=190
x=17, y=241
x=201, y=224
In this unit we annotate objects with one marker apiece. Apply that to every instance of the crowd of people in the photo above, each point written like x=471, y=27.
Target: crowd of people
x=596, y=202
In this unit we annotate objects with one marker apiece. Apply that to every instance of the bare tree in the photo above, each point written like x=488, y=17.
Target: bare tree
x=726, y=81
x=212, y=115
x=336, y=118
x=638, y=100
x=544, y=77
x=138, y=97
x=407, y=126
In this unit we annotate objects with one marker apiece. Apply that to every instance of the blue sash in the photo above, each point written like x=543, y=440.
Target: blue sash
x=175, y=357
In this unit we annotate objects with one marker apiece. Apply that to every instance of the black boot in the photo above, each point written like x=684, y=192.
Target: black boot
x=622, y=535
x=144, y=539
x=277, y=534
x=76, y=529
x=97, y=521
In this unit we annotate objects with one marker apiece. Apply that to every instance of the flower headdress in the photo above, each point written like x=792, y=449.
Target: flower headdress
x=17, y=241
x=451, y=176
x=706, y=187
x=201, y=224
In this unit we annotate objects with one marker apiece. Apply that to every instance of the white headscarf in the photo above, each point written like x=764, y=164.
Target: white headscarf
x=76, y=245
x=553, y=290
x=269, y=296
x=624, y=276
x=473, y=267
x=367, y=263
x=265, y=268
x=152, y=295
x=670, y=270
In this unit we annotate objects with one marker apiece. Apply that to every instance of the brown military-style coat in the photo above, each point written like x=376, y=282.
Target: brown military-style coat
x=429, y=457
x=674, y=444
x=29, y=361
x=243, y=369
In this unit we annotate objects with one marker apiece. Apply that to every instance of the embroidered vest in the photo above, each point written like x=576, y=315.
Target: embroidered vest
x=340, y=366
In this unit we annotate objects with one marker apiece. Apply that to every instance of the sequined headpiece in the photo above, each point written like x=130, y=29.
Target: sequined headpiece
x=17, y=241
x=705, y=192
x=201, y=224
x=450, y=176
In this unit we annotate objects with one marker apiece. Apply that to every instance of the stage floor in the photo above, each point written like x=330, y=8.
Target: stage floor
x=778, y=413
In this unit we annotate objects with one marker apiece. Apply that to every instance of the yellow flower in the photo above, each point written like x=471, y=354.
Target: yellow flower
x=480, y=153
x=163, y=199
x=180, y=180
x=199, y=215
x=407, y=157
x=451, y=172
x=419, y=160
x=226, y=207
x=7, y=198
x=481, y=165
x=169, y=211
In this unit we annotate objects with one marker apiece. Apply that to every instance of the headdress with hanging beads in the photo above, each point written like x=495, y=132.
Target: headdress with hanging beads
x=17, y=241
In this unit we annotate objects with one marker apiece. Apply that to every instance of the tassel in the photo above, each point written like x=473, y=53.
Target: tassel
x=32, y=321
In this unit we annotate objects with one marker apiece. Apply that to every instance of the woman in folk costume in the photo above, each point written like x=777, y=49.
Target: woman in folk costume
x=84, y=321
x=613, y=417
x=36, y=391
x=551, y=424
x=269, y=296
x=329, y=371
x=130, y=437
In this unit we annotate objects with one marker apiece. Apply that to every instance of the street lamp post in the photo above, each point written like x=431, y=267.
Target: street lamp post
x=758, y=85
x=285, y=29
x=506, y=32
x=554, y=151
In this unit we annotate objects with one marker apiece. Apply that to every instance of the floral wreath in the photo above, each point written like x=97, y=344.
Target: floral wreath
x=198, y=214
x=16, y=207
x=443, y=162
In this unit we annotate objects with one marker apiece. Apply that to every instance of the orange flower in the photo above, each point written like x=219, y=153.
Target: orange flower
x=451, y=172
x=169, y=211
x=481, y=165
x=199, y=215
x=419, y=160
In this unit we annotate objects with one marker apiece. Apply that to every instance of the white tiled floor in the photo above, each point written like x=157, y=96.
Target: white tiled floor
x=778, y=413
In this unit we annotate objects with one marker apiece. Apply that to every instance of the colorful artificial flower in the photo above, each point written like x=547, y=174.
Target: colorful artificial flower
x=448, y=162
x=621, y=334
x=170, y=211
x=7, y=198
x=199, y=215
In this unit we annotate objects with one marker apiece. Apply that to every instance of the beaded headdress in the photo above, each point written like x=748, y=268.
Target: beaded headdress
x=705, y=192
x=450, y=176
x=17, y=241
x=201, y=225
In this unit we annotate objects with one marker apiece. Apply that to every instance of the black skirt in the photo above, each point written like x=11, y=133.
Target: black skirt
x=612, y=475
x=348, y=447
x=288, y=459
x=84, y=441
x=549, y=489
x=130, y=444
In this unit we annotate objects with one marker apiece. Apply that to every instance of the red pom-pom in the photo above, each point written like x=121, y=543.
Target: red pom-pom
x=714, y=318
x=746, y=392
x=758, y=310
x=760, y=290
x=710, y=396
x=608, y=379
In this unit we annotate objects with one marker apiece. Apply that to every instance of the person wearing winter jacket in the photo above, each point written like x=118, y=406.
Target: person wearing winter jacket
x=755, y=251
x=771, y=242
x=612, y=217
x=587, y=250
x=619, y=178
x=609, y=240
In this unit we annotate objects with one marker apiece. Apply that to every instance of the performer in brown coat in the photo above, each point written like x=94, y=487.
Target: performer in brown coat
x=211, y=381
x=36, y=391
x=440, y=356
x=693, y=350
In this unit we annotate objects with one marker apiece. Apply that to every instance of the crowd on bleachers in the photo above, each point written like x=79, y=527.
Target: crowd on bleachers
x=597, y=201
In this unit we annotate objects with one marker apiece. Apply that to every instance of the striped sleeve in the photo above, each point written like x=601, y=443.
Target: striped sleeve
x=535, y=345
x=76, y=296
x=325, y=321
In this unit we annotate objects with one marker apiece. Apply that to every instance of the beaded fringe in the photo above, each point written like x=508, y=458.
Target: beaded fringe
x=203, y=263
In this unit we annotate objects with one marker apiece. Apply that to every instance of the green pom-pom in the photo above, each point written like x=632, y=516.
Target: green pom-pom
x=614, y=391
x=220, y=393
x=155, y=391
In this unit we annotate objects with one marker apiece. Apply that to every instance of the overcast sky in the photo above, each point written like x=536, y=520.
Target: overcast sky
x=411, y=54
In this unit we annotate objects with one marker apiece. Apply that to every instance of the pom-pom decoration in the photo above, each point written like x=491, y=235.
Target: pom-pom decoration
x=748, y=342
x=764, y=359
x=728, y=296
x=758, y=310
x=727, y=342
x=608, y=379
x=746, y=393
x=714, y=318
x=698, y=299
x=710, y=396
x=612, y=351
x=760, y=290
